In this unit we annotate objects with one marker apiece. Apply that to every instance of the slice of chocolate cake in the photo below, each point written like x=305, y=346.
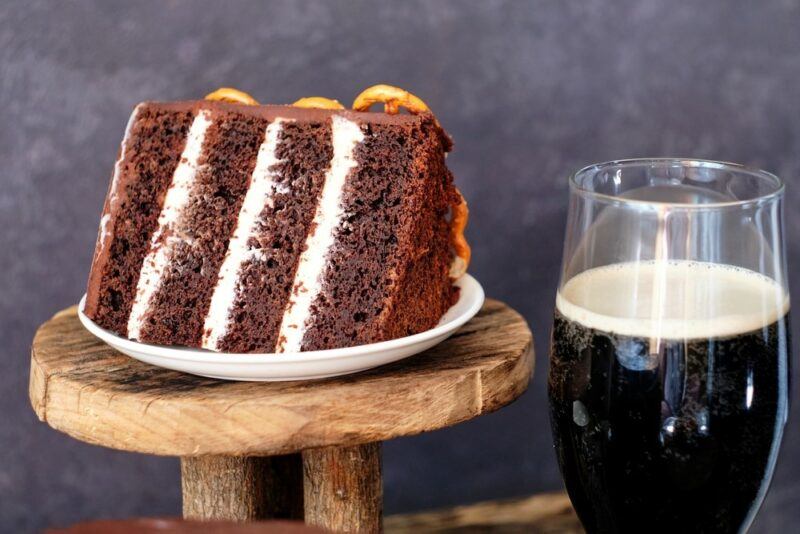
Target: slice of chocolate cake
x=246, y=228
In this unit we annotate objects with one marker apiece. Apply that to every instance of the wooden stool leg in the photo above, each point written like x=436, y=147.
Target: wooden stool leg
x=242, y=488
x=342, y=487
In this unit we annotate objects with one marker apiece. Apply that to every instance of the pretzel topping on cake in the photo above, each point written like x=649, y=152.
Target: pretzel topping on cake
x=458, y=222
x=392, y=98
x=228, y=94
x=318, y=102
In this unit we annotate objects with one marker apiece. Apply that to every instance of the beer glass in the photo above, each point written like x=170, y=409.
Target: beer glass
x=669, y=363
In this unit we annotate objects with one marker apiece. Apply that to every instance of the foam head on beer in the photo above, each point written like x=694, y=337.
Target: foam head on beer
x=675, y=299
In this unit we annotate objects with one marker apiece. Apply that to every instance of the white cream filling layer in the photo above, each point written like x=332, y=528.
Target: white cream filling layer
x=346, y=135
x=263, y=186
x=175, y=202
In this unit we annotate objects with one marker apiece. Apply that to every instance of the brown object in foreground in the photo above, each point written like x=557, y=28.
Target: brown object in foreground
x=177, y=526
x=84, y=388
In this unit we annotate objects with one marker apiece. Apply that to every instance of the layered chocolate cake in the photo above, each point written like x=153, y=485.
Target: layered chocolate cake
x=238, y=227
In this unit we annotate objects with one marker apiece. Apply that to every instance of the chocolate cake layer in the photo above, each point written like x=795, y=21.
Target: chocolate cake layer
x=395, y=207
x=149, y=154
x=321, y=242
x=302, y=155
x=424, y=291
x=198, y=239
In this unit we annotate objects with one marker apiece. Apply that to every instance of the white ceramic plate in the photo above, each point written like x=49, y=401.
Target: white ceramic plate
x=298, y=366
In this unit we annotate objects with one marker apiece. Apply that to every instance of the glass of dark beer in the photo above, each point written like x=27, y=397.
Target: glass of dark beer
x=669, y=363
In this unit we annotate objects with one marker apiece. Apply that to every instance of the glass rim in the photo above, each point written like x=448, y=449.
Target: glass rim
x=778, y=185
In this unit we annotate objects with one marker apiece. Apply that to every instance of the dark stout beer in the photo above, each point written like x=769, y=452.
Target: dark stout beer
x=668, y=403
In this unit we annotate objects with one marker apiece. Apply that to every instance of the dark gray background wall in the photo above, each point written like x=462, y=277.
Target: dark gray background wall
x=529, y=90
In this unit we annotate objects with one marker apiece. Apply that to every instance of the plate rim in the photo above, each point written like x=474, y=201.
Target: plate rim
x=189, y=354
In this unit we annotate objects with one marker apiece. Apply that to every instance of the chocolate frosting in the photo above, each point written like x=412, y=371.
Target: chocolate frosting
x=271, y=111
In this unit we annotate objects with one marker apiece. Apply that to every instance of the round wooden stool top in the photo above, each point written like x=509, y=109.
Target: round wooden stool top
x=82, y=387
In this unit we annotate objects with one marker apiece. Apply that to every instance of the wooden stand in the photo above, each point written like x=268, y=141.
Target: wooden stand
x=253, y=450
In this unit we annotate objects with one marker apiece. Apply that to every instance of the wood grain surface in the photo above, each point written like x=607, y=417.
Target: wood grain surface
x=242, y=488
x=544, y=513
x=82, y=387
x=343, y=488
